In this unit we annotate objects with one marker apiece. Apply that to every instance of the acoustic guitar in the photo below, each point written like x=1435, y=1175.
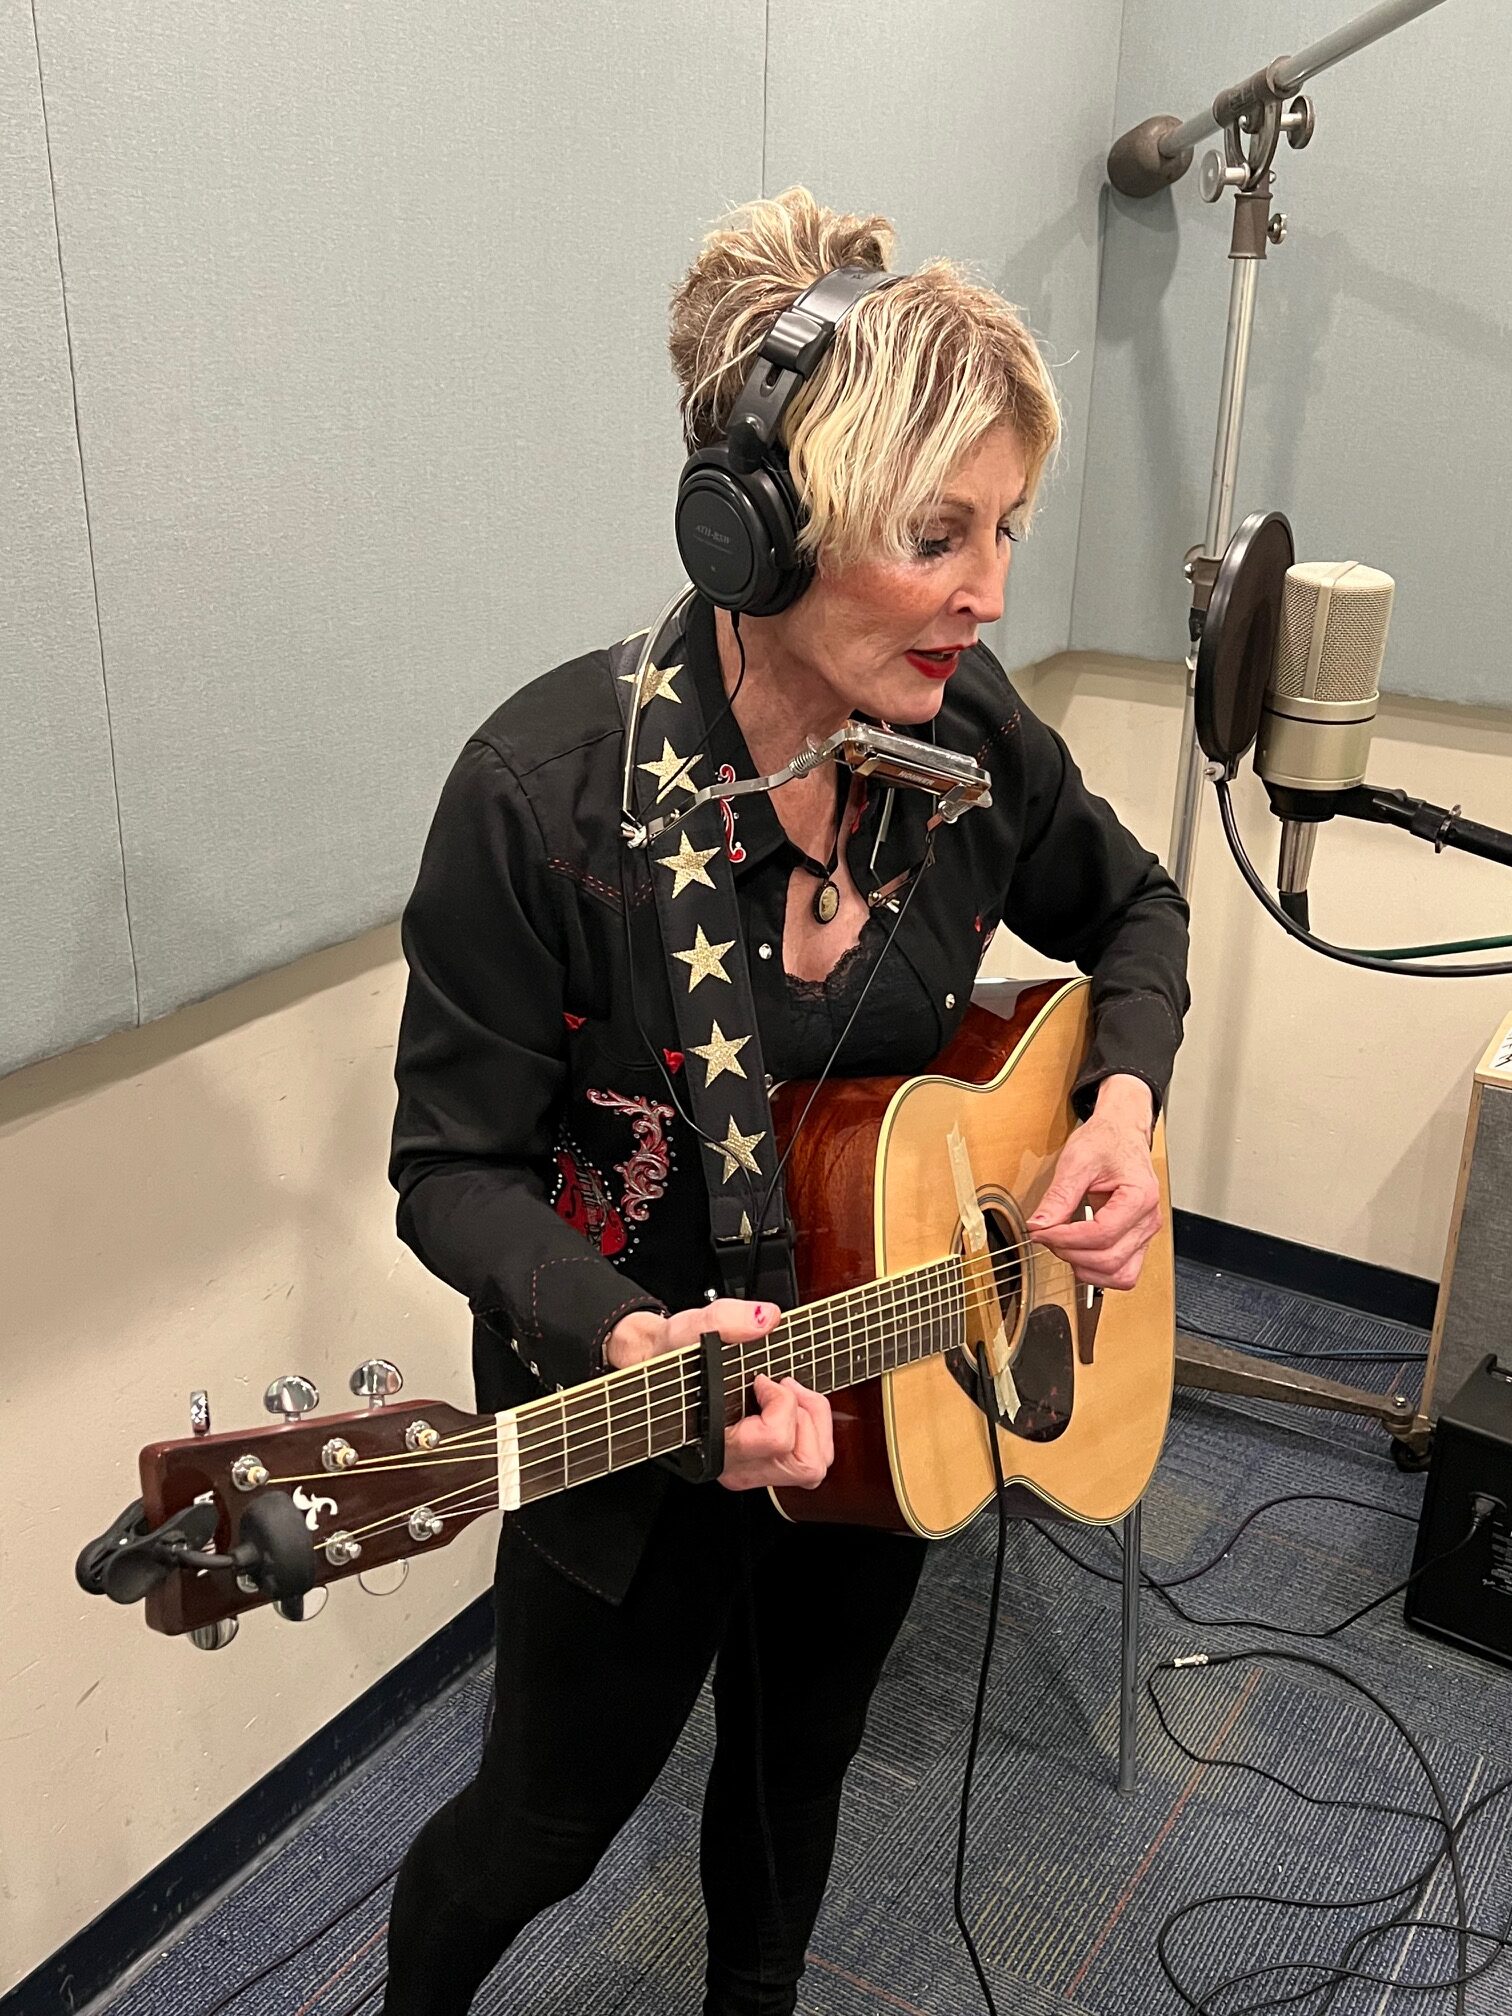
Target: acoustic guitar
x=928, y=1314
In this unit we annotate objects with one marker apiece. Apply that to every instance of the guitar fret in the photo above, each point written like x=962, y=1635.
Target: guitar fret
x=654, y=1408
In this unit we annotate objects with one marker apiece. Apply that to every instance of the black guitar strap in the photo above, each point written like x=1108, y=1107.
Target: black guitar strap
x=704, y=946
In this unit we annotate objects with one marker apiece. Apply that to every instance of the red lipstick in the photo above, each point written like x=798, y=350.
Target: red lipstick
x=939, y=667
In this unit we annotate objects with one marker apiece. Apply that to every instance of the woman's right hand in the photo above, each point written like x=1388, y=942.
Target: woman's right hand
x=790, y=1442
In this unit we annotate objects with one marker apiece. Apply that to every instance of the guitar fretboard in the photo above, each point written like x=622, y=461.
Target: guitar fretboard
x=652, y=1409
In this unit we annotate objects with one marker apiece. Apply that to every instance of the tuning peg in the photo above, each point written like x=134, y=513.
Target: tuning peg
x=376, y=1380
x=291, y=1396
x=199, y=1412
x=302, y=1609
x=384, y=1580
x=213, y=1637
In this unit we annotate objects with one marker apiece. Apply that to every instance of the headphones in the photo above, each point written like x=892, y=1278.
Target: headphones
x=738, y=512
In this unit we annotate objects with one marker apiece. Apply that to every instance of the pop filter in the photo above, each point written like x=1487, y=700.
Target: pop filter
x=1239, y=636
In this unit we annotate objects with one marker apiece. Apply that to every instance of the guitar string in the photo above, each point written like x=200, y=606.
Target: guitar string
x=825, y=1329
x=562, y=1460
x=811, y=1335
x=455, y=1505
x=914, y=1286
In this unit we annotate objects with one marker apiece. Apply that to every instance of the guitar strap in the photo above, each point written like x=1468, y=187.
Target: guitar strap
x=715, y=1010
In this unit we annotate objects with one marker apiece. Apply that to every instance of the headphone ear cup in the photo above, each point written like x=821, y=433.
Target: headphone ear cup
x=792, y=573
x=736, y=534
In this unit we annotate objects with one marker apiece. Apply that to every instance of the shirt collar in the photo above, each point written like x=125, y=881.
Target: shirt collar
x=753, y=832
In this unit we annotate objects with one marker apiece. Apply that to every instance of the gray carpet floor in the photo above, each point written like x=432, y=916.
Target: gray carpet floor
x=1068, y=1883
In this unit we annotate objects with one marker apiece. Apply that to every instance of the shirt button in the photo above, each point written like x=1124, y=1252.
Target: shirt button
x=763, y=950
x=950, y=1000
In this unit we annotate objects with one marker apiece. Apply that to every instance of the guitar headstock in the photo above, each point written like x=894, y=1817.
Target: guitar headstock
x=359, y=1489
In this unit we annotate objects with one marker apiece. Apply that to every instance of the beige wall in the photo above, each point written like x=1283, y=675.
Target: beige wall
x=201, y=1202
x=1313, y=1101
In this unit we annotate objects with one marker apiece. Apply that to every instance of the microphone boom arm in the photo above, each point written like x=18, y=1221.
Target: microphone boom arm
x=1383, y=805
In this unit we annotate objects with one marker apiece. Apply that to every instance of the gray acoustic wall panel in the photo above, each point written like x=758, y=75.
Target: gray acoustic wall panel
x=64, y=947
x=369, y=316
x=980, y=129
x=1381, y=383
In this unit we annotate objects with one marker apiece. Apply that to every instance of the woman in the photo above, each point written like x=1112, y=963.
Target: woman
x=546, y=1171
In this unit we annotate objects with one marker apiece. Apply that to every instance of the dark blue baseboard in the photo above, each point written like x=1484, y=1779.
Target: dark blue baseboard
x=151, y=1910
x=1353, y=1284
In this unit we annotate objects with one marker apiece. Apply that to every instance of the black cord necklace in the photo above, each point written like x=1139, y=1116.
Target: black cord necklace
x=826, y=904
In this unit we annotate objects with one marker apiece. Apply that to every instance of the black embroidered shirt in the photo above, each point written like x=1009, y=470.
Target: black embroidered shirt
x=541, y=1168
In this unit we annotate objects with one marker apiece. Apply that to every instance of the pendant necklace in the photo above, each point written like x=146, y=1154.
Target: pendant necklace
x=826, y=903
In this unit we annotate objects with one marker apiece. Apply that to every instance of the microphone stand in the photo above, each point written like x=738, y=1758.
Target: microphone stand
x=1383, y=805
x=1252, y=117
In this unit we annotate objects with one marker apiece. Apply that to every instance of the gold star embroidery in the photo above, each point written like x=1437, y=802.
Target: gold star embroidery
x=721, y=1053
x=670, y=769
x=688, y=864
x=704, y=959
x=658, y=683
x=736, y=1149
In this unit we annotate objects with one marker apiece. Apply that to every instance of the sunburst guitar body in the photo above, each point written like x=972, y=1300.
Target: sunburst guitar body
x=874, y=1190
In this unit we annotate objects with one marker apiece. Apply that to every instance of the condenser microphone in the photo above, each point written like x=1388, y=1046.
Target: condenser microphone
x=1320, y=702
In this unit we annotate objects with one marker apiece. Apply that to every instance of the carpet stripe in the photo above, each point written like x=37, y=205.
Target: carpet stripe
x=1126, y=1895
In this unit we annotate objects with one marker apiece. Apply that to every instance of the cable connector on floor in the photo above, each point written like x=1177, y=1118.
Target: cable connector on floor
x=1190, y=1659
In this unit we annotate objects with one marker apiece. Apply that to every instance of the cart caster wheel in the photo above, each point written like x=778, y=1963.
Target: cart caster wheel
x=1411, y=1456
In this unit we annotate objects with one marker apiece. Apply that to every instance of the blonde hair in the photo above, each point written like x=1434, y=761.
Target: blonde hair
x=918, y=372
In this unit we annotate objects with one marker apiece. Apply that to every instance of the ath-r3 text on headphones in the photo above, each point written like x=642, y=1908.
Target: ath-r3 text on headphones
x=738, y=513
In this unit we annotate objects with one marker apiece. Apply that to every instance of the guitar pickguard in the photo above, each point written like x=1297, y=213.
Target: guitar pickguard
x=1043, y=1371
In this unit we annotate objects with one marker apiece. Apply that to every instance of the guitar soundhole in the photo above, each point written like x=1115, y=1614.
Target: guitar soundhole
x=1044, y=1358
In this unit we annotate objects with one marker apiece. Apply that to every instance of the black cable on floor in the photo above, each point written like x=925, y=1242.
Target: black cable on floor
x=273, y=1966
x=335, y=1919
x=964, y=1820
x=1334, y=1975
x=1216, y=1560
x=361, y=2006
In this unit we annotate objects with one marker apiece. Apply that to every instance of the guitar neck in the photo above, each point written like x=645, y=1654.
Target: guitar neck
x=628, y=1417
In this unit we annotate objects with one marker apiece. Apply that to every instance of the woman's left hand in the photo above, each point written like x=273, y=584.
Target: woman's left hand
x=1105, y=1163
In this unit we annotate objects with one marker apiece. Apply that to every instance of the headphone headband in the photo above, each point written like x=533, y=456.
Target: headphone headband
x=738, y=513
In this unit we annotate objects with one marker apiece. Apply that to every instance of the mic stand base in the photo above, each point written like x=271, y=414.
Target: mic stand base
x=1205, y=1367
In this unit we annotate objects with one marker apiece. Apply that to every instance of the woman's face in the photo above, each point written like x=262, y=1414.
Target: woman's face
x=853, y=630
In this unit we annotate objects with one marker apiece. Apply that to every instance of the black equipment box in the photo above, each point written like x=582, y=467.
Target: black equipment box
x=1467, y=1598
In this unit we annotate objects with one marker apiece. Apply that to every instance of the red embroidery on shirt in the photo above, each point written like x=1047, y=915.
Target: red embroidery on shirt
x=644, y=1171
x=583, y=1201
x=733, y=848
x=674, y=1059
x=573, y=1021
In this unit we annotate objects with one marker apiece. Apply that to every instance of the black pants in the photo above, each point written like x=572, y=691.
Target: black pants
x=590, y=1699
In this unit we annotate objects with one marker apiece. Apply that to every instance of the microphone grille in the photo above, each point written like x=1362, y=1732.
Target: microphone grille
x=1334, y=619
